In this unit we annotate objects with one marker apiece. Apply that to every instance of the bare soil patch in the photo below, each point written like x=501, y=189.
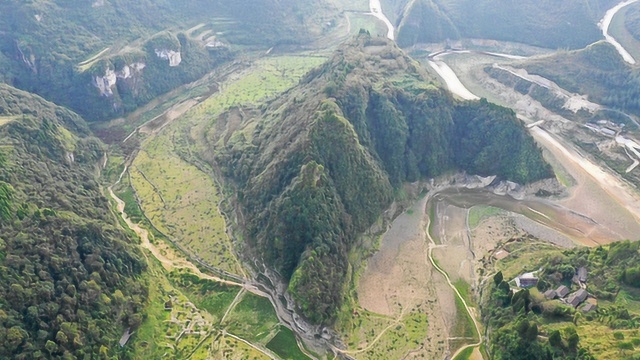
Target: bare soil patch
x=400, y=278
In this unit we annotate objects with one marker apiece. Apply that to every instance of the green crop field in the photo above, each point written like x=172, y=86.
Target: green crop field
x=253, y=319
x=284, y=344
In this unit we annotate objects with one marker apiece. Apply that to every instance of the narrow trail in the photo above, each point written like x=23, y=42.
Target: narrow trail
x=146, y=243
x=233, y=304
x=433, y=245
x=375, y=340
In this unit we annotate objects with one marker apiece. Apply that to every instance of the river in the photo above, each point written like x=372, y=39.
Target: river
x=605, y=23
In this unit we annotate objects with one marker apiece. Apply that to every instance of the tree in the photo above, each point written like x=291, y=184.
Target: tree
x=51, y=347
x=497, y=278
x=572, y=338
x=15, y=337
x=555, y=339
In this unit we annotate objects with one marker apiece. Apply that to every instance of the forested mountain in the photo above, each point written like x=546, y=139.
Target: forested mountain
x=318, y=166
x=103, y=58
x=553, y=24
x=68, y=274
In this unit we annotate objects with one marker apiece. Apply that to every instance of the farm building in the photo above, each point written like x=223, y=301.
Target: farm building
x=526, y=280
x=577, y=297
x=562, y=291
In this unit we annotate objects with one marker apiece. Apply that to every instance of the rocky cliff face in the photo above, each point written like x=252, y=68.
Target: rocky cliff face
x=174, y=57
x=106, y=83
x=109, y=81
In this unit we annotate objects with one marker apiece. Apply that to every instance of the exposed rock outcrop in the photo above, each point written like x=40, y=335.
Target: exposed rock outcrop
x=106, y=83
x=131, y=70
x=174, y=57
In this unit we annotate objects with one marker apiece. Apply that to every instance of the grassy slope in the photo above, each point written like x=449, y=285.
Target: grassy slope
x=188, y=206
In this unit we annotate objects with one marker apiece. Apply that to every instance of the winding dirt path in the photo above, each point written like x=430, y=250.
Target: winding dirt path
x=433, y=245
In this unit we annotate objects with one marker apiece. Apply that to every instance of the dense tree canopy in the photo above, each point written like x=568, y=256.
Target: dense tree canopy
x=68, y=274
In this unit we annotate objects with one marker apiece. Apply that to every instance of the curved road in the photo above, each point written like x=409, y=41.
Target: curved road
x=605, y=23
x=376, y=10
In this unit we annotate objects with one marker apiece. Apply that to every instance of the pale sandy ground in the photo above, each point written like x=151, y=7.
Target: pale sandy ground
x=399, y=276
x=598, y=194
x=456, y=256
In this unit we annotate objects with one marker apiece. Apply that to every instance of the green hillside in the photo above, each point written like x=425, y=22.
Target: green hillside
x=318, y=166
x=68, y=274
x=552, y=24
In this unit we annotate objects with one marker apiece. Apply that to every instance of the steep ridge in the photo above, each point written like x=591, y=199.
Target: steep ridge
x=318, y=166
x=68, y=274
x=567, y=24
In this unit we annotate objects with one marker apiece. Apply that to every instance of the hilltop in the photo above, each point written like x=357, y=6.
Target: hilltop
x=316, y=167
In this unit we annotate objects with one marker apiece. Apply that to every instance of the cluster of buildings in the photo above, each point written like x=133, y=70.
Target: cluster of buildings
x=563, y=293
x=574, y=299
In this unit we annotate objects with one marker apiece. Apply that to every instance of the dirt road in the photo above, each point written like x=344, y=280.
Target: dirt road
x=376, y=10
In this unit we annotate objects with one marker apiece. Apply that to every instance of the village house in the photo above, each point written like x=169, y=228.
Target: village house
x=582, y=275
x=562, y=291
x=526, y=280
x=550, y=294
x=577, y=298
